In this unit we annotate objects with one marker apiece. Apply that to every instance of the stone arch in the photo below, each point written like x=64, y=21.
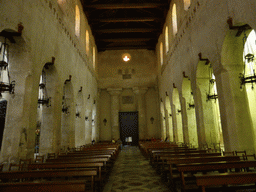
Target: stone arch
x=94, y=120
x=238, y=97
x=79, y=122
x=163, y=124
x=169, y=118
x=47, y=116
x=210, y=115
x=189, y=116
x=176, y=112
x=88, y=123
x=68, y=116
x=19, y=116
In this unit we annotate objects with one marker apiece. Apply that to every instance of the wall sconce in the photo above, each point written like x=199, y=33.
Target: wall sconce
x=152, y=120
x=65, y=109
x=80, y=90
x=201, y=59
x=86, y=118
x=46, y=66
x=105, y=121
x=69, y=79
x=191, y=106
x=78, y=114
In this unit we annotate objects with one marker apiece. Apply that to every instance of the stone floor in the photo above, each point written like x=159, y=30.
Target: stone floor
x=132, y=172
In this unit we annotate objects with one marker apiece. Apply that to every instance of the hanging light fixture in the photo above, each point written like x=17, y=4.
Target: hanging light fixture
x=6, y=85
x=105, y=121
x=77, y=112
x=152, y=120
x=211, y=95
x=64, y=105
x=43, y=98
x=191, y=104
x=249, y=58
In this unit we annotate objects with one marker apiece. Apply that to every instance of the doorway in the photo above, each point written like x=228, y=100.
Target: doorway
x=129, y=133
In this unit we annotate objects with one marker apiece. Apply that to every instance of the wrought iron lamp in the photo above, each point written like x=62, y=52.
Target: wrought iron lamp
x=211, y=85
x=191, y=104
x=152, y=120
x=7, y=86
x=105, y=121
x=249, y=58
x=64, y=106
x=250, y=78
x=43, y=98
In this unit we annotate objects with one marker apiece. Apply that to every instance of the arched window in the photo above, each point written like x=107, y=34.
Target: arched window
x=161, y=54
x=93, y=57
x=166, y=39
x=174, y=19
x=186, y=4
x=77, y=26
x=87, y=39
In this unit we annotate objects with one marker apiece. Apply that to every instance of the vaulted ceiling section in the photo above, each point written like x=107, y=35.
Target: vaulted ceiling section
x=126, y=24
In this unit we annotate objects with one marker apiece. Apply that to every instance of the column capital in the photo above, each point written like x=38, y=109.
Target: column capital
x=114, y=91
x=140, y=91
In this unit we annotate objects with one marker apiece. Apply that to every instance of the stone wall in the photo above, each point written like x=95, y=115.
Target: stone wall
x=49, y=31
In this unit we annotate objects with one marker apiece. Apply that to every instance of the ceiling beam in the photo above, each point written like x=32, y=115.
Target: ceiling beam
x=126, y=6
x=126, y=47
x=123, y=40
x=120, y=20
x=128, y=30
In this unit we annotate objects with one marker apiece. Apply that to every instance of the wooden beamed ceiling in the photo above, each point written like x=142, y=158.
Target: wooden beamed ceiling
x=126, y=24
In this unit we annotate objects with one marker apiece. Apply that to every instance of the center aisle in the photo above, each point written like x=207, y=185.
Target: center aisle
x=132, y=172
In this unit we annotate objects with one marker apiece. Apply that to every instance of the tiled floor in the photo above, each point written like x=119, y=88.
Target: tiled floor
x=132, y=172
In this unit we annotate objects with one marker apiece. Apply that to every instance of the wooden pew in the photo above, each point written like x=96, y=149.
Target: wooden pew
x=216, y=179
x=41, y=166
x=92, y=172
x=172, y=163
x=165, y=158
x=156, y=156
x=66, y=157
x=54, y=186
x=210, y=166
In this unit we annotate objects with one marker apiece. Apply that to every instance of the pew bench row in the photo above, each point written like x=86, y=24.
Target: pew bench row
x=77, y=168
x=186, y=169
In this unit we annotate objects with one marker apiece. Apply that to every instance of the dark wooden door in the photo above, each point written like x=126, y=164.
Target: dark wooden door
x=129, y=127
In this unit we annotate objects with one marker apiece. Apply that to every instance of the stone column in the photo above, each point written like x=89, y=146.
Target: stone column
x=115, y=132
x=185, y=121
x=236, y=120
x=167, y=124
x=142, y=111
